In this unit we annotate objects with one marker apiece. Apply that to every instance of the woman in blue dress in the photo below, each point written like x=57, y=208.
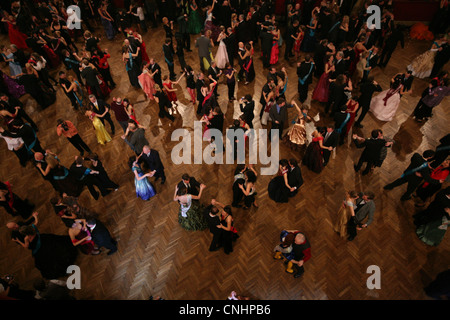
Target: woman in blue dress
x=144, y=188
x=14, y=66
x=309, y=42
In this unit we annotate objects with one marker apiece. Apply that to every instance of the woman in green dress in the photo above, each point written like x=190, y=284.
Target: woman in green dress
x=190, y=215
x=195, y=23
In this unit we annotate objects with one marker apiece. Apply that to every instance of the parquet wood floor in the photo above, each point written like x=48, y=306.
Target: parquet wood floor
x=157, y=257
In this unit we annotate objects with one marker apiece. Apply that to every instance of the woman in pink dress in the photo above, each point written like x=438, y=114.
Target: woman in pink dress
x=352, y=107
x=170, y=91
x=15, y=36
x=146, y=81
x=321, y=92
x=275, y=49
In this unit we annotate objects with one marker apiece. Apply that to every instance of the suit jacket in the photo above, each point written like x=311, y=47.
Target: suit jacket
x=407, y=83
x=153, y=161
x=137, y=139
x=373, y=60
x=198, y=85
x=213, y=73
x=92, y=44
x=168, y=52
x=281, y=117
x=305, y=69
x=203, y=44
x=102, y=106
x=26, y=132
x=295, y=178
x=157, y=76
x=332, y=140
x=367, y=90
x=365, y=210
x=416, y=161
x=248, y=112
x=339, y=118
x=339, y=68
x=266, y=42
x=373, y=147
x=192, y=188
x=90, y=76
x=11, y=104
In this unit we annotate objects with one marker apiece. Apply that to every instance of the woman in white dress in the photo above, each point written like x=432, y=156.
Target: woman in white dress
x=384, y=106
x=221, y=54
x=422, y=65
x=190, y=215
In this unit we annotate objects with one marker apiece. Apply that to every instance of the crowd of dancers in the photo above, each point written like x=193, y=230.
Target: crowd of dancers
x=337, y=48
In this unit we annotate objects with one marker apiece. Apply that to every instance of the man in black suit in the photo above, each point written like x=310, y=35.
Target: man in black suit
x=101, y=109
x=305, y=71
x=279, y=115
x=289, y=40
x=133, y=44
x=213, y=74
x=100, y=234
x=372, y=61
x=330, y=139
x=153, y=161
x=183, y=30
x=407, y=80
x=211, y=215
x=153, y=66
x=231, y=44
x=441, y=58
x=91, y=43
x=395, y=36
x=372, y=149
x=26, y=132
x=135, y=138
x=366, y=89
x=267, y=88
x=10, y=104
x=247, y=106
x=192, y=185
x=87, y=177
x=340, y=66
x=90, y=77
x=418, y=170
x=168, y=56
x=295, y=179
x=340, y=120
x=266, y=46
x=198, y=86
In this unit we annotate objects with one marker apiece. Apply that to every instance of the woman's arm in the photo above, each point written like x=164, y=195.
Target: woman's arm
x=324, y=147
x=229, y=219
x=202, y=186
x=248, y=189
x=286, y=181
x=176, y=82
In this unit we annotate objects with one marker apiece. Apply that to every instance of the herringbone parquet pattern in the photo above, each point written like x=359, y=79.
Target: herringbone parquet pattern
x=157, y=257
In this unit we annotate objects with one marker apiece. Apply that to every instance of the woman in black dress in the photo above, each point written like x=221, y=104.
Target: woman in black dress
x=52, y=253
x=190, y=83
x=229, y=232
x=249, y=189
x=279, y=188
x=163, y=102
x=102, y=175
x=12, y=203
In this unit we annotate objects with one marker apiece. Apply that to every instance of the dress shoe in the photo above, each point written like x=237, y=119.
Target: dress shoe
x=350, y=238
x=298, y=275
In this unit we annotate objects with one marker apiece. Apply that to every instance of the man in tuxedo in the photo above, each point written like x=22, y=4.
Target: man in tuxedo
x=365, y=209
x=213, y=74
x=91, y=43
x=441, y=59
x=340, y=66
x=231, y=45
x=407, y=80
x=211, y=215
x=330, y=139
x=367, y=89
x=417, y=171
x=279, y=115
x=183, y=30
x=26, y=132
x=203, y=43
x=123, y=21
x=10, y=104
x=192, y=185
x=372, y=149
x=198, y=86
x=90, y=78
x=266, y=46
x=372, y=61
x=135, y=138
x=133, y=44
x=153, y=66
x=392, y=39
x=295, y=179
x=101, y=109
x=305, y=71
x=247, y=106
x=87, y=177
x=153, y=161
x=168, y=56
x=100, y=234
x=267, y=88
x=289, y=40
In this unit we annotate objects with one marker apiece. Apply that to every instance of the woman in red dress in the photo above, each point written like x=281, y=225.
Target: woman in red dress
x=275, y=49
x=130, y=110
x=321, y=92
x=352, y=107
x=298, y=41
x=313, y=158
x=145, y=57
x=170, y=91
x=80, y=236
x=15, y=36
x=358, y=48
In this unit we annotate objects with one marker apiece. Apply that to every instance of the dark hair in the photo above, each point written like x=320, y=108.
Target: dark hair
x=248, y=97
x=93, y=156
x=227, y=209
x=280, y=101
x=251, y=176
x=61, y=73
x=131, y=160
x=284, y=163
x=214, y=210
x=293, y=162
x=54, y=200
x=185, y=176
x=236, y=123
x=79, y=160
x=182, y=190
x=239, y=168
x=428, y=154
x=375, y=133
x=370, y=195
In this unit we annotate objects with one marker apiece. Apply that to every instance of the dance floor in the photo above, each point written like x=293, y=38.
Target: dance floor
x=157, y=257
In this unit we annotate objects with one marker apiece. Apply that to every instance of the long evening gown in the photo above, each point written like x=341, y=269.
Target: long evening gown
x=321, y=91
x=277, y=189
x=16, y=37
x=100, y=131
x=351, y=107
x=221, y=55
x=147, y=84
x=384, y=105
x=296, y=136
x=14, y=66
x=190, y=215
x=343, y=217
x=274, y=52
x=422, y=65
x=144, y=189
x=195, y=24
x=313, y=156
x=14, y=89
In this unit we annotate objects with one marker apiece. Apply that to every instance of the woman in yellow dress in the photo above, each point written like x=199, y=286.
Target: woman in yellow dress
x=346, y=212
x=100, y=131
